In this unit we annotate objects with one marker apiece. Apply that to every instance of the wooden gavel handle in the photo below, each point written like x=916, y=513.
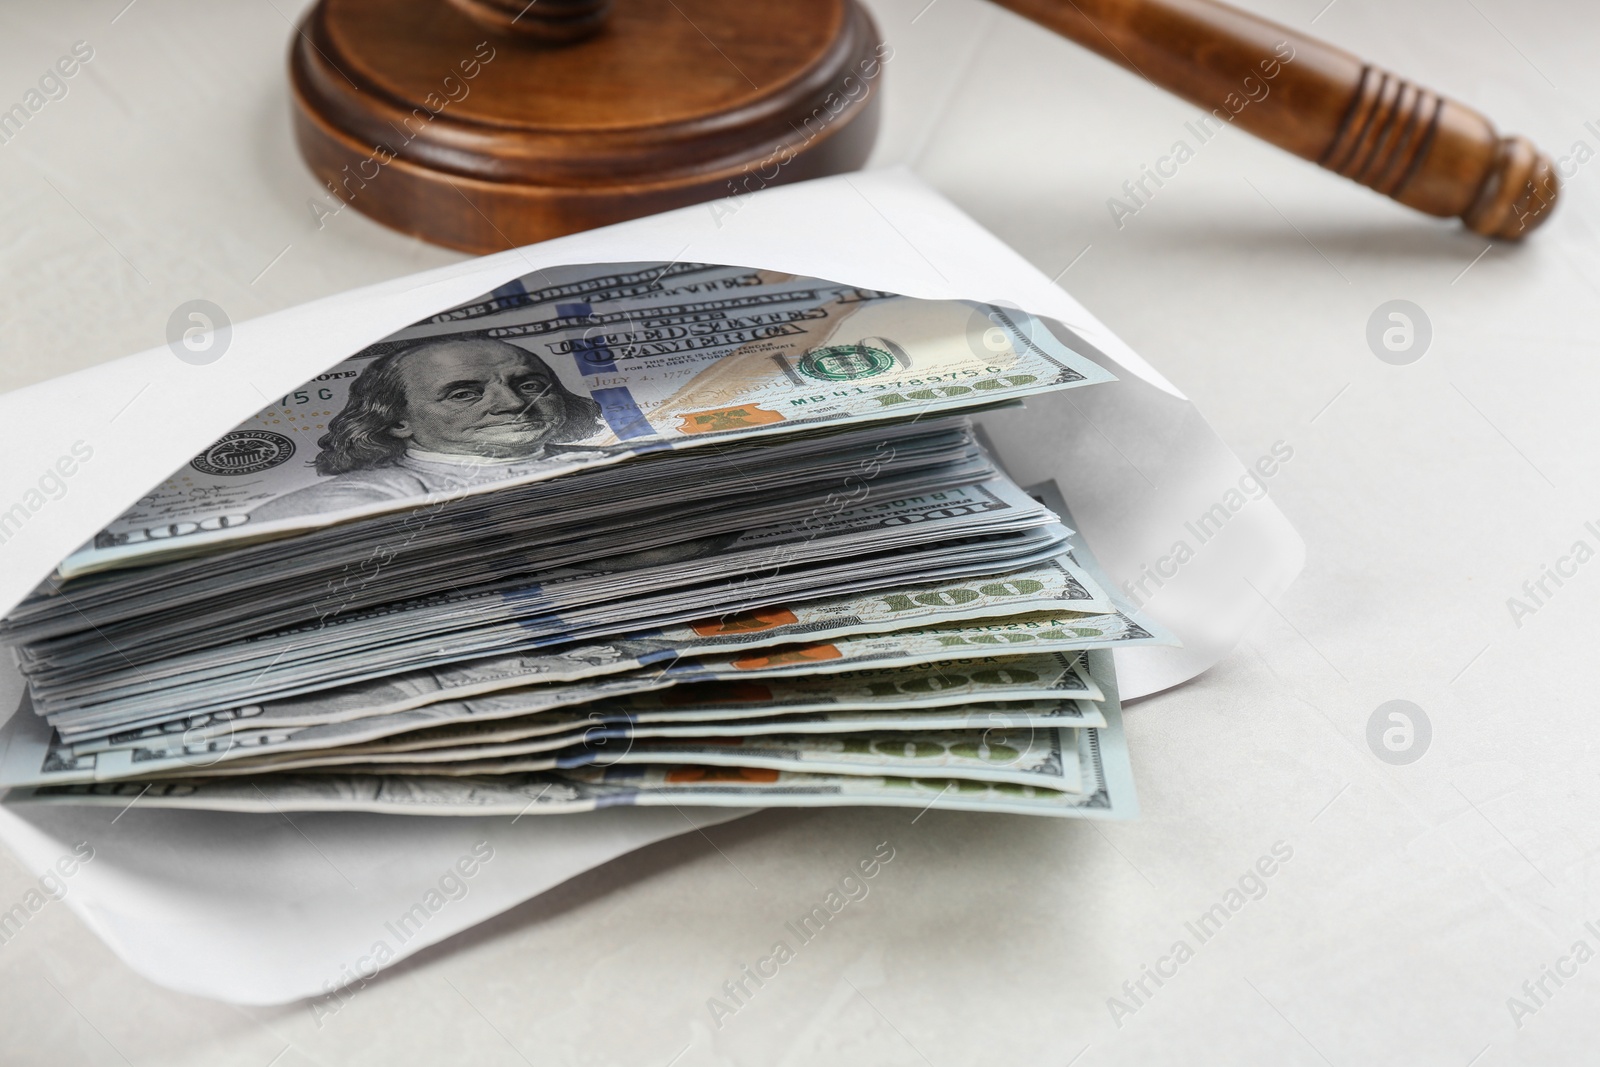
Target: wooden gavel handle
x=1321, y=103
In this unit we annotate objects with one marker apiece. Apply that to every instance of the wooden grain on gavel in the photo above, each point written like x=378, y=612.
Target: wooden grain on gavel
x=484, y=124
x=1321, y=103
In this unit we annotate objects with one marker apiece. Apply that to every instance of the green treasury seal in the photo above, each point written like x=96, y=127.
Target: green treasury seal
x=844, y=363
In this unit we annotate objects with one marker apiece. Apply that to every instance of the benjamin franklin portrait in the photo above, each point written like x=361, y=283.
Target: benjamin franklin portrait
x=439, y=416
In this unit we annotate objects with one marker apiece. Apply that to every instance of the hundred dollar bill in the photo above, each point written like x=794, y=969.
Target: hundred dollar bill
x=37, y=755
x=1103, y=762
x=945, y=645
x=594, y=285
x=368, y=682
x=981, y=682
x=572, y=792
x=1044, y=631
x=996, y=716
x=513, y=580
x=657, y=480
x=599, y=726
x=1056, y=584
x=599, y=723
x=1046, y=759
x=40, y=754
x=942, y=645
x=936, y=646
x=519, y=714
x=564, y=729
x=541, y=390
x=879, y=545
x=1040, y=757
x=1105, y=789
x=478, y=542
x=162, y=708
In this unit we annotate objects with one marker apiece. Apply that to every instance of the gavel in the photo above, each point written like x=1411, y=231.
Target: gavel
x=560, y=136
x=1321, y=103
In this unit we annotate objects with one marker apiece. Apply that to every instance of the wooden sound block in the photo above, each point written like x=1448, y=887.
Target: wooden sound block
x=427, y=117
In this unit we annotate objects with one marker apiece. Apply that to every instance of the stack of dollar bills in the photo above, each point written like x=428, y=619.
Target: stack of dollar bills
x=614, y=534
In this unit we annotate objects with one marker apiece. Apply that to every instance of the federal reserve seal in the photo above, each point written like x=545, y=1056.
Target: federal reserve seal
x=846, y=363
x=244, y=452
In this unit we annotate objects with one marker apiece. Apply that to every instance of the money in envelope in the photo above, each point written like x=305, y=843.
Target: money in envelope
x=733, y=514
x=645, y=533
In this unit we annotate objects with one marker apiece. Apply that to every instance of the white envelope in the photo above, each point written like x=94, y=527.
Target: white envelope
x=257, y=909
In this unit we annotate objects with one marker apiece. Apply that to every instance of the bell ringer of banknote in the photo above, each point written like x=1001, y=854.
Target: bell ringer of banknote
x=614, y=534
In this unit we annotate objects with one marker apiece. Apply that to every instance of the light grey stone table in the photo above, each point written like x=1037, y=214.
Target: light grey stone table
x=1416, y=900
